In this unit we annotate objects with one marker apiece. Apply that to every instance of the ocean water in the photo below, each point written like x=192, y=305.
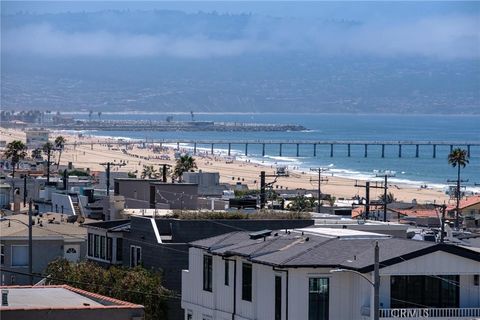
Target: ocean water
x=416, y=171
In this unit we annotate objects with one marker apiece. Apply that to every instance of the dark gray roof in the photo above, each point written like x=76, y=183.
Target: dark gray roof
x=297, y=250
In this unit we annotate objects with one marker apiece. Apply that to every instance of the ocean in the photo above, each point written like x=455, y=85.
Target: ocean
x=409, y=169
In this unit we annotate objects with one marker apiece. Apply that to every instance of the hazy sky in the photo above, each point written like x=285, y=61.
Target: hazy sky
x=442, y=30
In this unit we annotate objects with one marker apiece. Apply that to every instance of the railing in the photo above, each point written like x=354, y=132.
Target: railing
x=429, y=313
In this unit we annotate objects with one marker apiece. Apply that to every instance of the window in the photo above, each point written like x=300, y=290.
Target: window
x=207, y=273
x=71, y=250
x=109, y=248
x=318, y=298
x=90, y=245
x=96, y=246
x=119, y=249
x=19, y=256
x=431, y=291
x=246, y=281
x=227, y=273
x=102, y=247
x=135, y=256
x=278, y=298
x=2, y=255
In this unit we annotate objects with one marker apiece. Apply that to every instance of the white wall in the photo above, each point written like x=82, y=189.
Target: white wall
x=59, y=200
x=349, y=293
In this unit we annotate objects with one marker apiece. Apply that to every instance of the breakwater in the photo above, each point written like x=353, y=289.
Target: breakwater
x=135, y=125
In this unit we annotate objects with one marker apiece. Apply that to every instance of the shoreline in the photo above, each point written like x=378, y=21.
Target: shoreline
x=241, y=170
x=271, y=161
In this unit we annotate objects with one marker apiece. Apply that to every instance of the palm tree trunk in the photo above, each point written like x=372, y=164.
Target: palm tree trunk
x=457, y=209
x=13, y=171
x=59, y=156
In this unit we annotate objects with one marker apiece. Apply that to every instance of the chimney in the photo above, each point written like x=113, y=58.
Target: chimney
x=4, y=298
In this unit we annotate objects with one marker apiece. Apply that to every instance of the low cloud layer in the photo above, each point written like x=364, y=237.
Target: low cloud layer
x=445, y=37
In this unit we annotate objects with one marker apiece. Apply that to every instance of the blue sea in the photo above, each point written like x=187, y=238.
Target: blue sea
x=409, y=169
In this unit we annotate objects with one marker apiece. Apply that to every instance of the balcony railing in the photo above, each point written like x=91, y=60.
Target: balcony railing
x=430, y=313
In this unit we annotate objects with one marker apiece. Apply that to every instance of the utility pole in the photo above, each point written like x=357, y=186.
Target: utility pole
x=367, y=187
x=30, y=242
x=458, y=196
x=442, y=228
x=24, y=190
x=262, y=189
x=320, y=180
x=385, y=188
x=264, y=185
x=376, y=284
x=108, y=165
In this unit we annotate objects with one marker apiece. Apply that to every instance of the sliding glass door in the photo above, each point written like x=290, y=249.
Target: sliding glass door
x=318, y=298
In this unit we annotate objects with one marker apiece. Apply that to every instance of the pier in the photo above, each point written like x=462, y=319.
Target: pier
x=335, y=147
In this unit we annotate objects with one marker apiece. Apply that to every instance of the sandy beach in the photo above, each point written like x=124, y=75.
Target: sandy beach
x=88, y=155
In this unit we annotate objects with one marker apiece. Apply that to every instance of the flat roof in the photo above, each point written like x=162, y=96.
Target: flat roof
x=343, y=233
x=58, y=297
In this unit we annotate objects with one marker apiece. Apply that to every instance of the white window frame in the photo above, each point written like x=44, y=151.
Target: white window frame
x=11, y=251
x=136, y=259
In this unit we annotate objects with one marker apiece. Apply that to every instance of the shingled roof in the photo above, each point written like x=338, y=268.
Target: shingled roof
x=307, y=249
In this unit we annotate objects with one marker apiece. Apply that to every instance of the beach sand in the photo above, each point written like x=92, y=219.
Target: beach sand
x=91, y=156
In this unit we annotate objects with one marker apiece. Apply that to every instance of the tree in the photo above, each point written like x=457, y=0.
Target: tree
x=135, y=285
x=59, y=145
x=302, y=203
x=458, y=158
x=36, y=153
x=149, y=171
x=47, y=150
x=390, y=198
x=184, y=164
x=15, y=151
x=331, y=200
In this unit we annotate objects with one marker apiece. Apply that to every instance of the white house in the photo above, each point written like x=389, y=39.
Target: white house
x=283, y=275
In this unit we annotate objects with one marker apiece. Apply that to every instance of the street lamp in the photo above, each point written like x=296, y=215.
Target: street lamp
x=30, y=238
x=375, y=283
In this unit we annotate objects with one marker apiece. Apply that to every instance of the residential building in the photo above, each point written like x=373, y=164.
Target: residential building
x=36, y=138
x=63, y=302
x=162, y=244
x=469, y=210
x=208, y=183
x=322, y=274
x=53, y=237
x=153, y=193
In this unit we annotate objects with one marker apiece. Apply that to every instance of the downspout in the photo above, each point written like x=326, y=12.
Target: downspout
x=234, y=286
x=286, y=289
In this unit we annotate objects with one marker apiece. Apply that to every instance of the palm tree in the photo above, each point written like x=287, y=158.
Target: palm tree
x=149, y=171
x=59, y=145
x=390, y=198
x=36, y=153
x=184, y=164
x=47, y=149
x=458, y=158
x=16, y=151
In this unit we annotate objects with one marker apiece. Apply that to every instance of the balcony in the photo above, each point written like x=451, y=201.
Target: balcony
x=430, y=313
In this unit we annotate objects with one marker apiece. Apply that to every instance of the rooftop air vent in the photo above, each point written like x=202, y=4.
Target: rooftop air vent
x=260, y=234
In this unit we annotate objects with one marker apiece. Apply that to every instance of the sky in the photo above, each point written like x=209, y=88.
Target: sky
x=445, y=30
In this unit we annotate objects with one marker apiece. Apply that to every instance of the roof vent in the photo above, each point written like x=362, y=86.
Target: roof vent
x=260, y=234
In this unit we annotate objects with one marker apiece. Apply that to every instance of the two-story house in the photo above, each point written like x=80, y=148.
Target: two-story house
x=328, y=274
